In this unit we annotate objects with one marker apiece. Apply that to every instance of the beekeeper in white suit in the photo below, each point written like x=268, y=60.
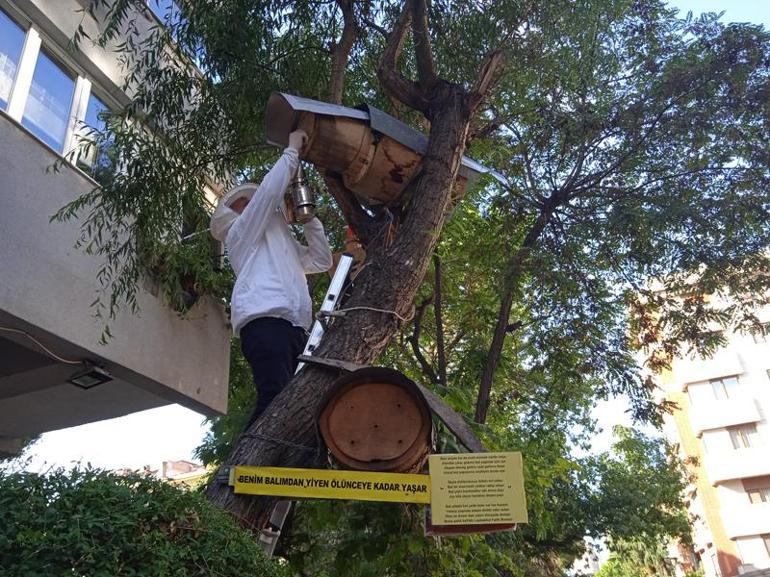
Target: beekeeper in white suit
x=271, y=310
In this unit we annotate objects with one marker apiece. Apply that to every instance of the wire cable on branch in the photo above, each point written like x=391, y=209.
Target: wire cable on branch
x=343, y=312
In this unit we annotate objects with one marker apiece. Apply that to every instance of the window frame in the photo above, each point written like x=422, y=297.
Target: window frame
x=86, y=160
x=722, y=391
x=719, y=389
x=761, y=493
x=36, y=42
x=746, y=434
x=24, y=27
x=54, y=60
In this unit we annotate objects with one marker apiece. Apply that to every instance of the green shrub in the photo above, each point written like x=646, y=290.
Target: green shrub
x=89, y=523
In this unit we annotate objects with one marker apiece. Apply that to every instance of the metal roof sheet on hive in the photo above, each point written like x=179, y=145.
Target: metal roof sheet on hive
x=283, y=111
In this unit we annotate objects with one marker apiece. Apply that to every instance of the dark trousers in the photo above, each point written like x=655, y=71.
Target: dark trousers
x=271, y=346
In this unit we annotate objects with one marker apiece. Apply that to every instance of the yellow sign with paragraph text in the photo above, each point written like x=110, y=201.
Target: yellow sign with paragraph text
x=477, y=489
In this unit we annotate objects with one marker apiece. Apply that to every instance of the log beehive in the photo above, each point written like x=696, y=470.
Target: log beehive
x=376, y=154
x=376, y=419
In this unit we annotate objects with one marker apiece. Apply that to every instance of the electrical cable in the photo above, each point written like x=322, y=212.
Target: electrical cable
x=41, y=345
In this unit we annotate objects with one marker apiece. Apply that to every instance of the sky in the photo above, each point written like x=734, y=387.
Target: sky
x=168, y=433
x=755, y=11
x=172, y=432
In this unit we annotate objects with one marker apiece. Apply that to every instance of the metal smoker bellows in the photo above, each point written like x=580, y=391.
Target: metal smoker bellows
x=300, y=200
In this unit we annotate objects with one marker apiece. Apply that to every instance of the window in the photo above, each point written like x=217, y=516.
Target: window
x=744, y=436
x=47, y=112
x=165, y=10
x=759, y=495
x=11, y=45
x=757, y=489
x=724, y=388
x=714, y=389
x=44, y=96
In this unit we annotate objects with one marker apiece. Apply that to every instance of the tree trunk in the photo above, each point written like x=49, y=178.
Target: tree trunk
x=286, y=432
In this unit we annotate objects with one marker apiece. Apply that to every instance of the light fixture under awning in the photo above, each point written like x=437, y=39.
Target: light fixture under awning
x=91, y=376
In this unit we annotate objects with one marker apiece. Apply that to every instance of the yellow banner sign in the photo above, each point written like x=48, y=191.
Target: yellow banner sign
x=477, y=489
x=331, y=484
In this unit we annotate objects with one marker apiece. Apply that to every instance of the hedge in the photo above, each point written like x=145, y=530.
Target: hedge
x=93, y=523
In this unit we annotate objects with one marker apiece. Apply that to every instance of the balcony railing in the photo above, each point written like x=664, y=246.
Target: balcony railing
x=737, y=464
x=722, y=413
x=746, y=520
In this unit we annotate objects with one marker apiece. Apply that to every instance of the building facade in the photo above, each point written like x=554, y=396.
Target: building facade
x=722, y=427
x=54, y=370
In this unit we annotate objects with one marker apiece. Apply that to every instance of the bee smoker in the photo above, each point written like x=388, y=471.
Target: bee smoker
x=299, y=200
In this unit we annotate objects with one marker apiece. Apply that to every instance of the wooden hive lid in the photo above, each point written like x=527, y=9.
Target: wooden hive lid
x=376, y=419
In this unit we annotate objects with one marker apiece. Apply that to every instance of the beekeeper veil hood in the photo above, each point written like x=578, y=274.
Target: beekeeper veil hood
x=224, y=216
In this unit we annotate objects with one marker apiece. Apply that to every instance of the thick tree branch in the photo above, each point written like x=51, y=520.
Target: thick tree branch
x=423, y=51
x=487, y=77
x=341, y=51
x=440, y=349
x=391, y=79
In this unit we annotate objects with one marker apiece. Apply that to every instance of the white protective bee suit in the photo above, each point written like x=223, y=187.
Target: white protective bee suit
x=271, y=308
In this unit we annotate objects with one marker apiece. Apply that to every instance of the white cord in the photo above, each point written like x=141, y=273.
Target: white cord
x=341, y=312
x=41, y=345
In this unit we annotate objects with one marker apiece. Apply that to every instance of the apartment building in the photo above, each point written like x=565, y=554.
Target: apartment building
x=722, y=427
x=54, y=372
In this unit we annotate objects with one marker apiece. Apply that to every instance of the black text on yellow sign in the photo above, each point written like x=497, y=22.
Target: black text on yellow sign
x=478, y=489
x=331, y=484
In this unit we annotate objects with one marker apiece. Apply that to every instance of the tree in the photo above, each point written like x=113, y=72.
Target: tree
x=634, y=144
x=616, y=568
x=649, y=558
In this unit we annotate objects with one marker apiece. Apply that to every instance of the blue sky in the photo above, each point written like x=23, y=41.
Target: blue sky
x=755, y=11
x=171, y=433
